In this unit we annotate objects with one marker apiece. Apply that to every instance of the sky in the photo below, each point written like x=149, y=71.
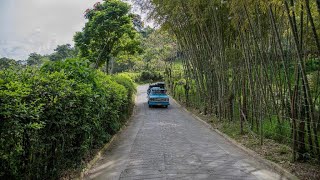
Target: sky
x=28, y=26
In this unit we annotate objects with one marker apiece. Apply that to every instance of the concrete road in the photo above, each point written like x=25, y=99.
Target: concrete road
x=162, y=143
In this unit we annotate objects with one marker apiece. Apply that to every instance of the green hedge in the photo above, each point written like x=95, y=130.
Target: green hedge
x=144, y=76
x=53, y=117
x=134, y=76
x=150, y=76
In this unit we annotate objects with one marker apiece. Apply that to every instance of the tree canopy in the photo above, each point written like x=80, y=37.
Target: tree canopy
x=108, y=32
x=63, y=52
x=34, y=59
x=6, y=63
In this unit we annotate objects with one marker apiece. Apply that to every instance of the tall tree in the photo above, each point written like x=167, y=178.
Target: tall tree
x=6, y=63
x=62, y=52
x=258, y=56
x=34, y=59
x=108, y=32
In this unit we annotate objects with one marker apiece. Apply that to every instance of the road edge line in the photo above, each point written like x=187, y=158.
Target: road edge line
x=274, y=166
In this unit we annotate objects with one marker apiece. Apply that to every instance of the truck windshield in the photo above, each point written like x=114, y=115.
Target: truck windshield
x=159, y=92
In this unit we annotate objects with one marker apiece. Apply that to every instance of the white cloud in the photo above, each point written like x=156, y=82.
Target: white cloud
x=39, y=25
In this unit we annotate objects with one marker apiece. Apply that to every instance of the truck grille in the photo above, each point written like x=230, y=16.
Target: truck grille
x=159, y=99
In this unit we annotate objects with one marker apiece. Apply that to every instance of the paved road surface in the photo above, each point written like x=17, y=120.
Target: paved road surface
x=162, y=143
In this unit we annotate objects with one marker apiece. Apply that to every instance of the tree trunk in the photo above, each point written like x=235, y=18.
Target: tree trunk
x=315, y=34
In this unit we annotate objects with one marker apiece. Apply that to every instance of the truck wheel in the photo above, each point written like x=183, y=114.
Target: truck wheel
x=150, y=106
x=166, y=106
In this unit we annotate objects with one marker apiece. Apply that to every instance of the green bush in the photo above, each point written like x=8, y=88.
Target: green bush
x=53, y=117
x=135, y=76
x=147, y=76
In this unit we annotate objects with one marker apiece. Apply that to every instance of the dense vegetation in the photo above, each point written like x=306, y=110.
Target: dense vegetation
x=53, y=116
x=109, y=33
x=56, y=109
x=248, y=62
x=251, y=64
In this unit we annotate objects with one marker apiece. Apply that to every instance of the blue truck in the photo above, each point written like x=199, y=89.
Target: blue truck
x=157, y=96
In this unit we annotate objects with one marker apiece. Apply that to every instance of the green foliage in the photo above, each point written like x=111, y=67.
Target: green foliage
x=34, y=59
x=135, y=76
x=52, y=117
x=108, y=32
x=150, y=76
x=124, y=62
x=312, y=65
x=128, y=83
x=159, y=47
x=7, y=63
x=143, y=77
x=240, y=73
x=280, y=132
x=63, y=52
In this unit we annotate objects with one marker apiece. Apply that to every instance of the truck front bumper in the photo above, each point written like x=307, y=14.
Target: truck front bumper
x=151, y=103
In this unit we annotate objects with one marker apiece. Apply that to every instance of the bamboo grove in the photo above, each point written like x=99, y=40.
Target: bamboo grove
x=251, y=62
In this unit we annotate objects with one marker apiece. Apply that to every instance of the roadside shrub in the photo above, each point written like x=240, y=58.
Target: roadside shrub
x=51, y=118
x=127, y=82
x=147, y=76
x=134, y=76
